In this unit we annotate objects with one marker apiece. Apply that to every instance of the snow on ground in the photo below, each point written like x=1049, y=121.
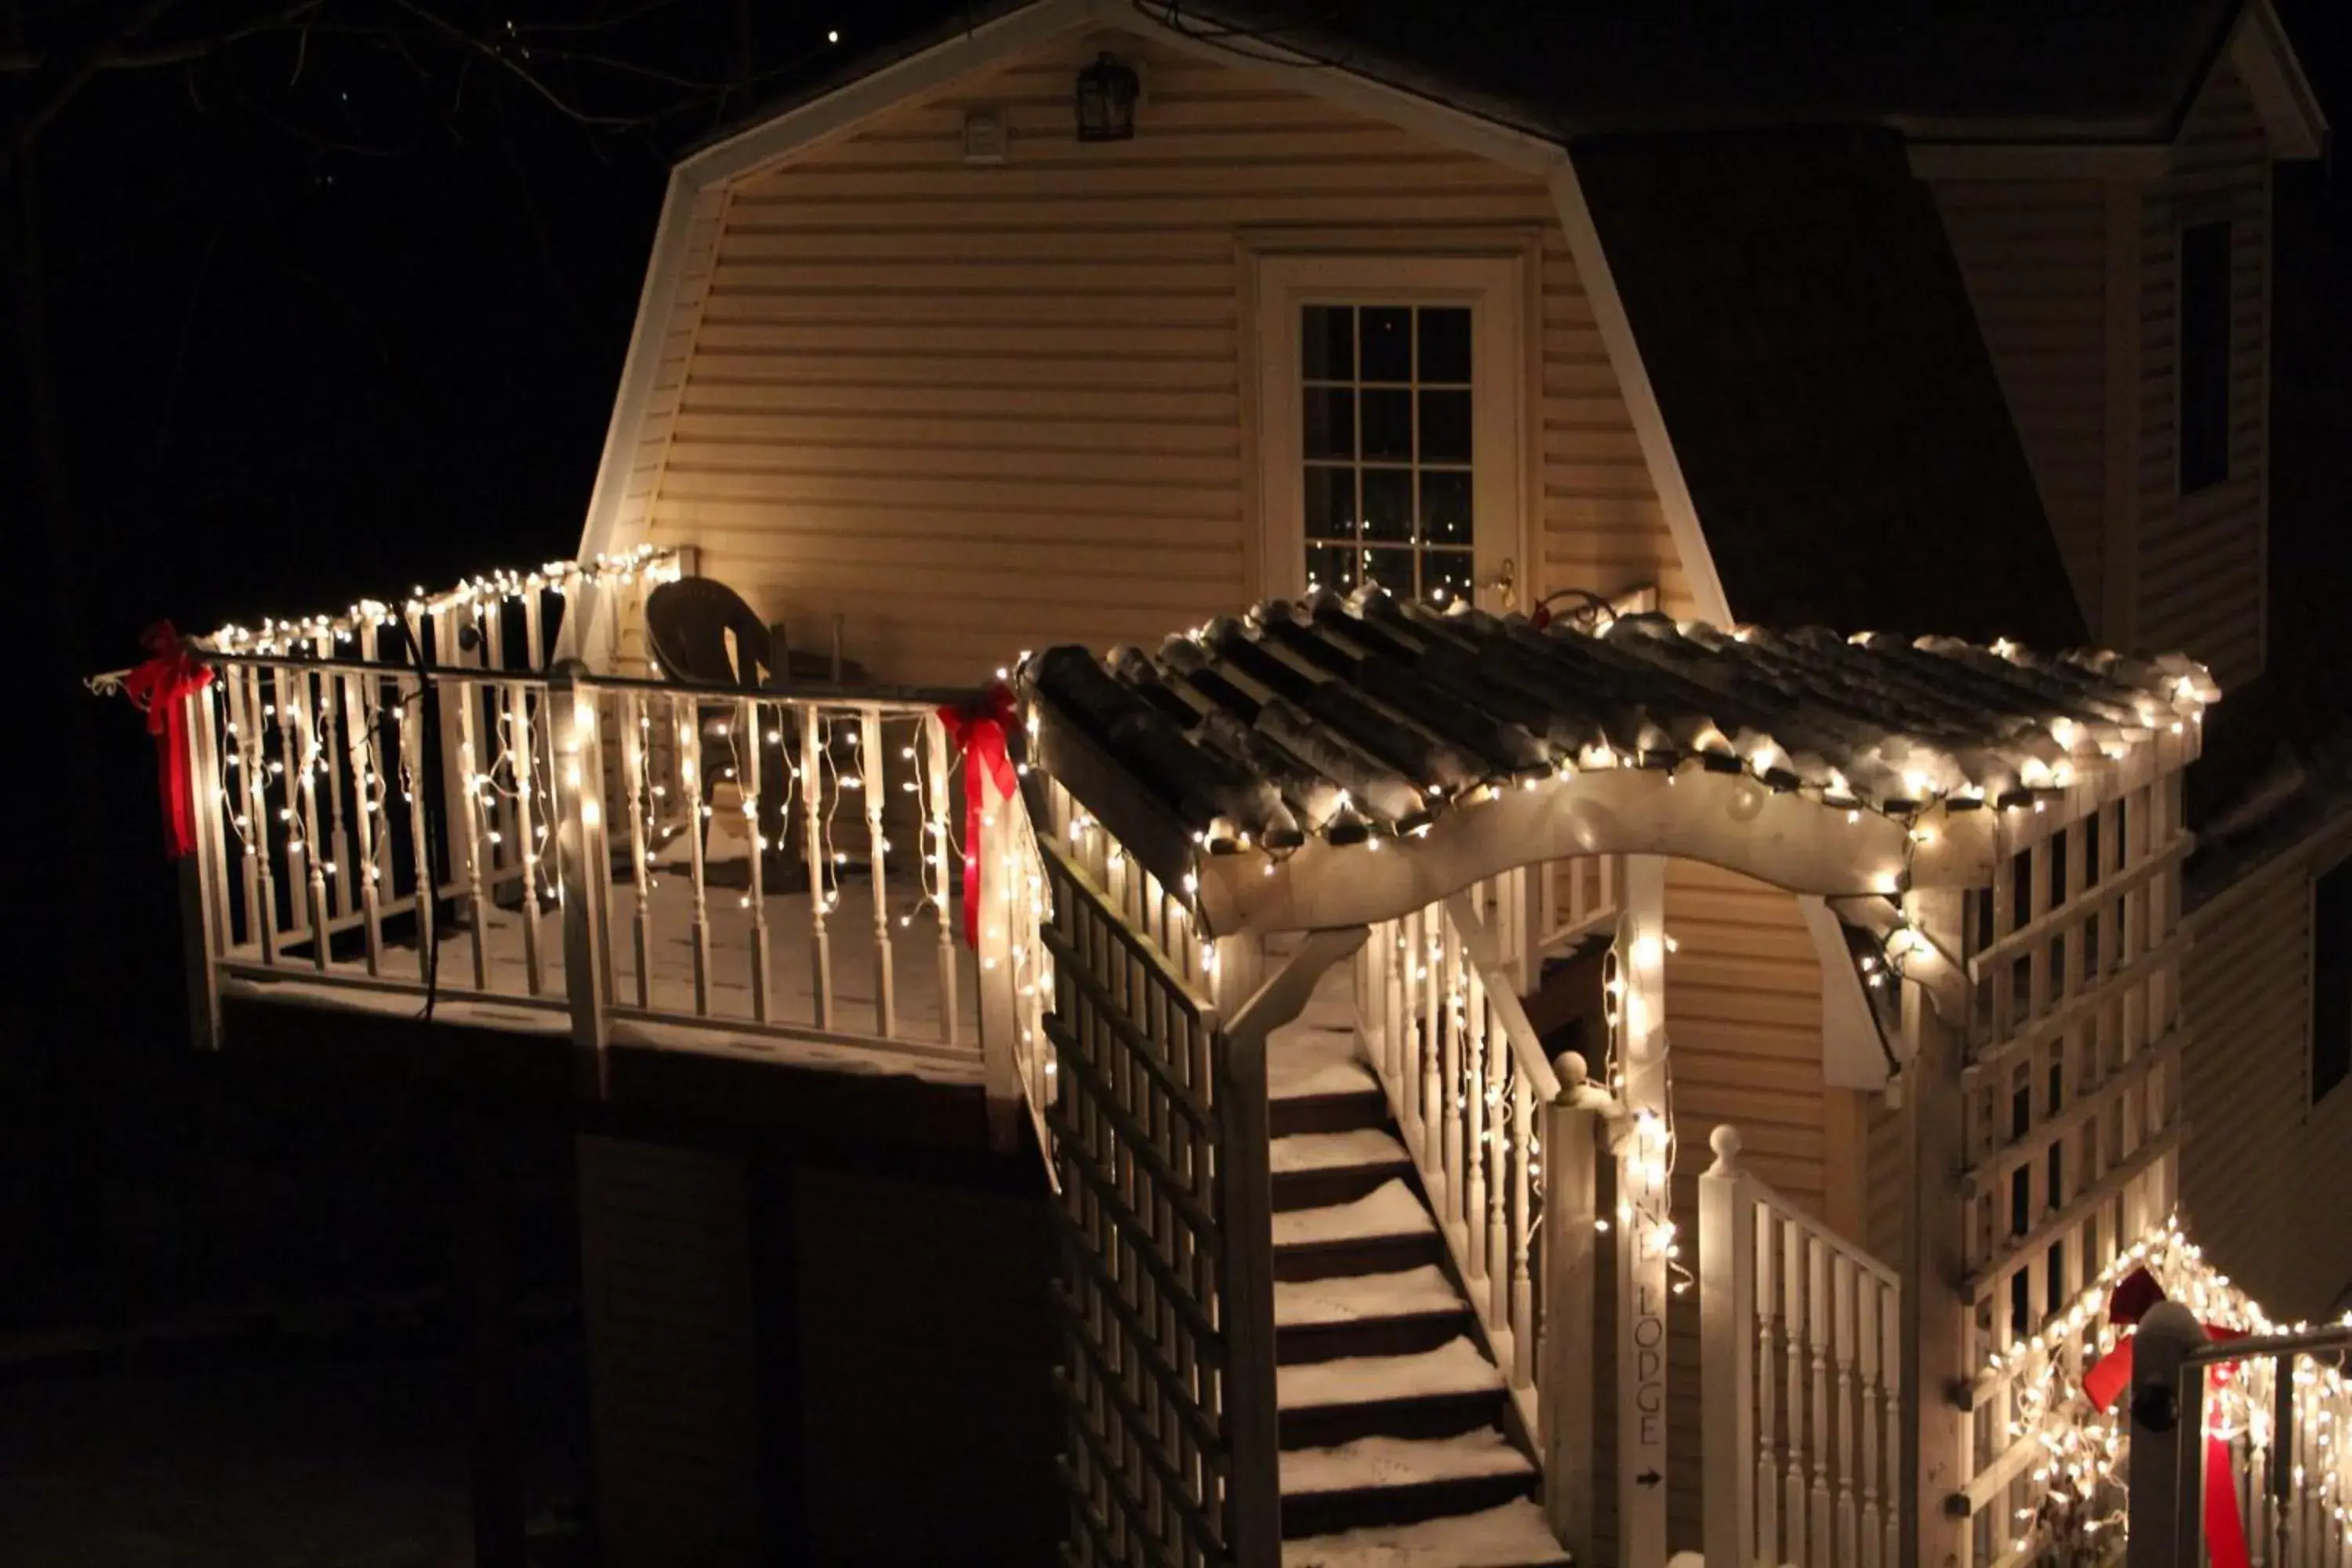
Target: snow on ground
x=1505, y=1537
x=1456, y=1367
x=1383, y=1461
x=1390, y=1210
x=1354, y=1298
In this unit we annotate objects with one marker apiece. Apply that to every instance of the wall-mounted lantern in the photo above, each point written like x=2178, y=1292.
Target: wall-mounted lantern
x=1106, y=100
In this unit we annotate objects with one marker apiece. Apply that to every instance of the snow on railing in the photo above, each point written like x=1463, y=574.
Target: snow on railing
x=1800, y=1345
x=761, y=865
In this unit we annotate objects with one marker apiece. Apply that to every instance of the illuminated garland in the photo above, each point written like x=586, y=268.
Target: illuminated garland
x=646, y=564
x=2083, y=1465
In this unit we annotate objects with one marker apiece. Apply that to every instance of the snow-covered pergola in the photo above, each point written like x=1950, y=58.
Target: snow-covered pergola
x=1344, y=760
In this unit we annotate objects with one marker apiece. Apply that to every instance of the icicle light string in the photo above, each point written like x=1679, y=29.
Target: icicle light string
x=359, y=753
x=2083, y=1467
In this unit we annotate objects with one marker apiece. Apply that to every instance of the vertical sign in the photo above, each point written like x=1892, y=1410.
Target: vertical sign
x=1645, y=1231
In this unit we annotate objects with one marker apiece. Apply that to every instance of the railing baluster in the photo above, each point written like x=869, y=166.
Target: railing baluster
x=333, y=740
x=279, y=709
x=1890, y=1399
x=251, y=809
x=1792, y=1344
x=1523, y=1190
x=873, y=779
x=408, y=725
x=1817, y=1328
x=476, y=829
x=686, y=714
x=1437, y=1123
x=1767, y=1469
x=813, y=739
x=365, y=805
x=315, y=850
x=492, y=655
x=522, y=758
x=636, y=778
x=1863, y=1413
x=1500, y=1078
x=937, y=804
x=755, y=898
x=1469, y=1028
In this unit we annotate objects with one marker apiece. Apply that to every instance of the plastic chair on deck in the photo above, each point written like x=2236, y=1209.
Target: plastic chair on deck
x=701, y=631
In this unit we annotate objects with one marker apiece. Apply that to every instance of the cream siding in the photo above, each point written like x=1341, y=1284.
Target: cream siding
x=1744, y=1022
x=2265, y=1176
x=2201, y=558
x=972, y=409
x=2033, y=255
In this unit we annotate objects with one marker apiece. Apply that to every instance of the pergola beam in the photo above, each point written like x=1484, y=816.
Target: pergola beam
x=1790, y=840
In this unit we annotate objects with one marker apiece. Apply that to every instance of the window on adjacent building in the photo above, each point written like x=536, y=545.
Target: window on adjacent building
x=2204, y=355
x=2331, y=980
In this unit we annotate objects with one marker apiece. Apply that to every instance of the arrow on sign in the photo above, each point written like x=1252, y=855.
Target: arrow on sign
x=1647, y=1479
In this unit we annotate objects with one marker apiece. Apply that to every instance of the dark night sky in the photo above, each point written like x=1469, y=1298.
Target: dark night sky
x=309, y=332
x=305, y=319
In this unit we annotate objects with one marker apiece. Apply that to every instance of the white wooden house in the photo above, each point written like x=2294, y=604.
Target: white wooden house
x=1944, y=343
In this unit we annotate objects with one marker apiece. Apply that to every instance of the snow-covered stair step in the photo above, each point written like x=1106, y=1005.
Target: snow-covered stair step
x=1379, y=1462
x=1387, y=1229
x=1335, y=1151
x=1303, y=1061
x=1455, y=1368
x=1512, y=1536
x=1390, y=1210
x=1391, y=1481
x=1364, y=1298
x=1315, y=1170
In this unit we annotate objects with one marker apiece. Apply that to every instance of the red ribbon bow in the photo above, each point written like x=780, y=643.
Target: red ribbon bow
x=160, y=687
x=978, y=733
x=2225, y=1531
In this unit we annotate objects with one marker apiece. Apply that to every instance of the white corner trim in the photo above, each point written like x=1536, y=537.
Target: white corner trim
x=1853, y=1053
x=656, y=303
x=1641, y=398
x=2290, y=110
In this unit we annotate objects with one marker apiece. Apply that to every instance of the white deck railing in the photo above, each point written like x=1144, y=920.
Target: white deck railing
x=1800, y=1345
x=699, y=865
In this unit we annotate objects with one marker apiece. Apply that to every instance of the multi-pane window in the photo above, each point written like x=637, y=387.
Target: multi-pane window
x=2331, y=980
x=1385, y=408
x=2204, y=355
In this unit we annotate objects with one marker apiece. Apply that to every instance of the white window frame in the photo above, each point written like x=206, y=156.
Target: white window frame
x=1495, y=288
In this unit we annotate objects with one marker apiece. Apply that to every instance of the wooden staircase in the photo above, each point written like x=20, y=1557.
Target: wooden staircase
x=1396, y=1447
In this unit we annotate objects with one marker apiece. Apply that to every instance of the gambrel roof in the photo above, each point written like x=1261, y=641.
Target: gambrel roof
x=2000, y=71
x=1819, y=373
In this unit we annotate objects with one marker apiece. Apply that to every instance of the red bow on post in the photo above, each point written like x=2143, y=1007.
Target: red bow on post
x=160, y=688
x=2225, y=1531
x=978, y=733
